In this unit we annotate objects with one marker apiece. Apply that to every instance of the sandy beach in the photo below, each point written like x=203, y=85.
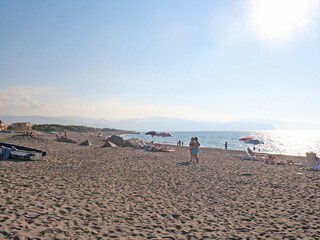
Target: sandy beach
x=80, y=192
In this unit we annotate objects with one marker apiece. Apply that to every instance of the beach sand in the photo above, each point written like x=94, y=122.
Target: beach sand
x=80, y=192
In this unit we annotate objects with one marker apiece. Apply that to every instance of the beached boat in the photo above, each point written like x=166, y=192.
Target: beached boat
x=21, y=152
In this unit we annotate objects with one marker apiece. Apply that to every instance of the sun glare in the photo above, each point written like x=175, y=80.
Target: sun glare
x=281, y=20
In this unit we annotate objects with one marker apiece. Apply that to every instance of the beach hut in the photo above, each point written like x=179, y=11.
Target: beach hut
x=21, y=126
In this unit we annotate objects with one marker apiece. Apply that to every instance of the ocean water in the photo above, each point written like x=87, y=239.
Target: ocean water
x=296, y=142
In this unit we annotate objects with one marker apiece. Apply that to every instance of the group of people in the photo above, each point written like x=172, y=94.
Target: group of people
x=194, y=149
x=179, y=143
x=156, y=147
x=269, y=159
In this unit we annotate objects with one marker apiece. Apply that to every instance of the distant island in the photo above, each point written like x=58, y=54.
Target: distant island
x=143, y=124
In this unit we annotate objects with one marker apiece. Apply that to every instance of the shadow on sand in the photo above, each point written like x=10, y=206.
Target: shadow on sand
x=184, y=163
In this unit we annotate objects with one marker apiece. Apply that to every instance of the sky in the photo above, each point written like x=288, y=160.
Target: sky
x=199, y=60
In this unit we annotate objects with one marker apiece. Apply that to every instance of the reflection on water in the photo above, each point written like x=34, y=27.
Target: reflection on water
x=291, y=142
x=296, y=142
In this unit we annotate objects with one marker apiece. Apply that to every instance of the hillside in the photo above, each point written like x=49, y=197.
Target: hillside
x=73, y=128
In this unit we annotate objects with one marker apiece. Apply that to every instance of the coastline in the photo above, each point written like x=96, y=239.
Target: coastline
x=293, y=143
x=81, y=192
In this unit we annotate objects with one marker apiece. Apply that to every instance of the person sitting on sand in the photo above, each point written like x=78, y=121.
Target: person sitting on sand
x=271, y=160
x=157, y=145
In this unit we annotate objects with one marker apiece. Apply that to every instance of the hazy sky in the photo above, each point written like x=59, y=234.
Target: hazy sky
x=215, y=60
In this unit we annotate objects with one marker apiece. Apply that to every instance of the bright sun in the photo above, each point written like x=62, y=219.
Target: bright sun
x=281, y=20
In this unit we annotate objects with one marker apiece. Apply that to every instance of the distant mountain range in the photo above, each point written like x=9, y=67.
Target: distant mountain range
x=143, y=124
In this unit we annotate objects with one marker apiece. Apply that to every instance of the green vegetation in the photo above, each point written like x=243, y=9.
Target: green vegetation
x=70, y=128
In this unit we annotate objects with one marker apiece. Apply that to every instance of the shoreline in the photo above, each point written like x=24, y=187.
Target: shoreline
x=231, y=150
x=292, y=145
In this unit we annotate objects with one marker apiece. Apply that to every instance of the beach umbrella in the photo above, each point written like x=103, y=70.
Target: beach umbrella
x=152, y=133
x=254, y=142
x=245, y=138
x=163, y=134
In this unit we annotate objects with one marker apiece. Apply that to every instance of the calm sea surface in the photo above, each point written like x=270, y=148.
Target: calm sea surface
x=284, y=142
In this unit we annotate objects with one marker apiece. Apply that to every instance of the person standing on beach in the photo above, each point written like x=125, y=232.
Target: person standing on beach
x=196, y=145
x=226, y=145
x=191, y=147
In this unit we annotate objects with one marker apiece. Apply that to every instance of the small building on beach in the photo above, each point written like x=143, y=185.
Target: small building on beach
x=3, y=126
x=21, y=126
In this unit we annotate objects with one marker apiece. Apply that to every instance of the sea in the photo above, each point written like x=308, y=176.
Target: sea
x=289, y=142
